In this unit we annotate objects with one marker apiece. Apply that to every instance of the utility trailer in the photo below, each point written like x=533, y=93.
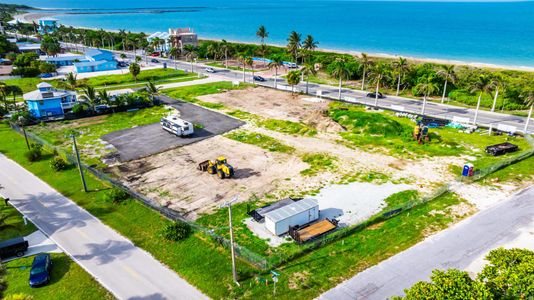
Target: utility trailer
x=177, y=126
x=306, y=233
x=500, y=149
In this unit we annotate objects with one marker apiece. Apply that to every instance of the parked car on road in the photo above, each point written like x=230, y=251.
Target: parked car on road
x=154, y=60
x=210, y=70
x=155, y=54
x=40, y=271
x=259, y=78
x=373, y=95
x=16, y=246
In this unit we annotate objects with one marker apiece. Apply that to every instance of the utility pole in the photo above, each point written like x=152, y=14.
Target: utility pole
x=25, y=137
x=79, y=162
x=232, y=250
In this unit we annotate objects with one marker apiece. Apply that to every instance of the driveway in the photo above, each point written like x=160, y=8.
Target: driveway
x=507, y=224
x=124, y=269
x=142, y=141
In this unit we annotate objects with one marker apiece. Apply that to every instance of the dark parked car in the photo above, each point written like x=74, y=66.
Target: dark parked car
x=259, y=78
x=17, y=246
x=154, y=60
x=373, y=95
x=40, y=271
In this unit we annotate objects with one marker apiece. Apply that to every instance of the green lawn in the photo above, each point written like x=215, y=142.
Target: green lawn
x=12, y=224
x=260, y=140
x=68, y=281
x=189, y=93
x=517, y=173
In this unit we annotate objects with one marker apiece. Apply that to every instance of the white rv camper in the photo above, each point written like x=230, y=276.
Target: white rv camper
x=177, y=126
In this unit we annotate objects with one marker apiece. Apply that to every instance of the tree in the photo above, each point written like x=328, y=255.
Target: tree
x=90, y=97
x=50, y=46
x=152, y=89
x=276, y=62
x=6, y=46
x=379, y=72
x=213, y=50
x=293, y=79
x=190, y=53
x=103, y=97
x=15, y=91
x=447, y=72
x=528, y=99
x=484, y=84
x=310, y=44
x=340, y=70
x=293, y=44
x=262, y=34
x=366, y=64
x=248, y=61
x=71, y=80
x=135, y=69
x=401, y=65
x=45, y=67
x=426, y=86
x=225, y=48
x=174, y=52
x=308, y=69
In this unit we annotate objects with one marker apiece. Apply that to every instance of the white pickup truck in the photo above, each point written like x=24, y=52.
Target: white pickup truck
x=177, y=126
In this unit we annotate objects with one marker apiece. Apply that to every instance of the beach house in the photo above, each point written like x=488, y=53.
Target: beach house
x=47, y=25
x=49, y=103
x=93, y=60
x=183, y=36
x=164, y=41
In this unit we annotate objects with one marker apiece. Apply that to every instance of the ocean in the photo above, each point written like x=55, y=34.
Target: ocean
x=485, y=32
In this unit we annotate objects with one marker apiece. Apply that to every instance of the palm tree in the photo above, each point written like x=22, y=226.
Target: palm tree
x=276, y=62
x=71, y=80
x=262, y=34
x=15, y=91
x=103, y=97
x=242, y=58
x=484, y=84
x=213, y=50
x=447, y=72
x=401, y=65
x=293, y=78
x=248, y=61
x=152, y=89
x=90, y=97
x=174, y=53
x=225, y=48
x=310, y=44
x=427, y=87
x=122, y=35
x=366, y=64
x=4, y=90
x=340, y=71
x=308, y=69
x=190, y=53
x=155, y=43
x=528, y=99
x=378, y=73
x=499, y=82
x=293, y=44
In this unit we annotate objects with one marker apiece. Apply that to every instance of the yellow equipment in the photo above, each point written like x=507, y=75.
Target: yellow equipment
x=220, y=167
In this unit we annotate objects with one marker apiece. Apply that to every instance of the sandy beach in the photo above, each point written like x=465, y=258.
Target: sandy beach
x=34, y=16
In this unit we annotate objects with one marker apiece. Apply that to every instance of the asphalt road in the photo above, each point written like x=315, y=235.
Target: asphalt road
x=142, y=141
x=457, y=247
x=485, y=118
x=124, y=269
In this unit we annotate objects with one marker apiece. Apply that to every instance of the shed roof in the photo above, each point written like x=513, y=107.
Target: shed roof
x=268, y=208
x=292, y=209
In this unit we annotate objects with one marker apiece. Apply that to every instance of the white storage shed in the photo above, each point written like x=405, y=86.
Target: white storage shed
x=297, y=213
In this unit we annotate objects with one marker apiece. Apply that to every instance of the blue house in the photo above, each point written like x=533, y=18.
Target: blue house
x=49, y=103
x=47, y=25
x=96, y=60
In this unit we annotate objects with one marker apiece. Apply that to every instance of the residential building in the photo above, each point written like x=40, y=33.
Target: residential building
x=47, y=25
x=183, y=36
x=93, y=60
x=49, y=103
x=165, y=41
x=30, y=47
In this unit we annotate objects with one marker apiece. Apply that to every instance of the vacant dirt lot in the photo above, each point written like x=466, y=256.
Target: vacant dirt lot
x=172, y=178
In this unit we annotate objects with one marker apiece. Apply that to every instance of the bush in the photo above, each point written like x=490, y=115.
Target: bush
x=35, y=153
x=78, y=110
x=116, y=196
x=176, y=231
x=58, y=163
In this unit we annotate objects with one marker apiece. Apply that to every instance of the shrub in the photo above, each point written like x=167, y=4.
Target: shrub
x=35, y=153
x=116, y=196
x=78, y=109
x=176, y=231
x=58, y=163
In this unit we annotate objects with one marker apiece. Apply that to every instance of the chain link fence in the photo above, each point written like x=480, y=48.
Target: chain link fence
x=274, y=260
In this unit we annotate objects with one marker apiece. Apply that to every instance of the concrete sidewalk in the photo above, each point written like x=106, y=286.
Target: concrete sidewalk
x=463, y=246
x=124, y=269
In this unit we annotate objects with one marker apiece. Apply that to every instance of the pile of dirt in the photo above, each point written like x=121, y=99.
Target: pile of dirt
x=320, y=120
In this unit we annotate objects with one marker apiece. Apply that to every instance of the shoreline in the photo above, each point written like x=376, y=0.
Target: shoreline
x=33, y=16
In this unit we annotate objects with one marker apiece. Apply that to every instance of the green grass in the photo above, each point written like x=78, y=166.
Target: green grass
x=13, y=225
x=189, y=93
x=28, y=84
x=319, y=162
x=260, y=140
x=288, y=127
x=516, y=173
x=207, y=266
x=399, y=199
x=68, y=280
x=90, y=130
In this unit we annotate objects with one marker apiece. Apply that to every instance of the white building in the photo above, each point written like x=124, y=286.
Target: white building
x=300, y=212
x=164, y=38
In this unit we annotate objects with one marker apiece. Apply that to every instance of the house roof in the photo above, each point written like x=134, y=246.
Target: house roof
x=44, y=85
x=159, y=34
x=48, y=19
x=91, y=63
x=64, y=58
x=49, y=95
x=292, y=209
x=28, y=46
x=264, y=210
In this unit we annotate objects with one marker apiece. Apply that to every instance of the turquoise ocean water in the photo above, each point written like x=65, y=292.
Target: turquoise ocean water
x=487, y=32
